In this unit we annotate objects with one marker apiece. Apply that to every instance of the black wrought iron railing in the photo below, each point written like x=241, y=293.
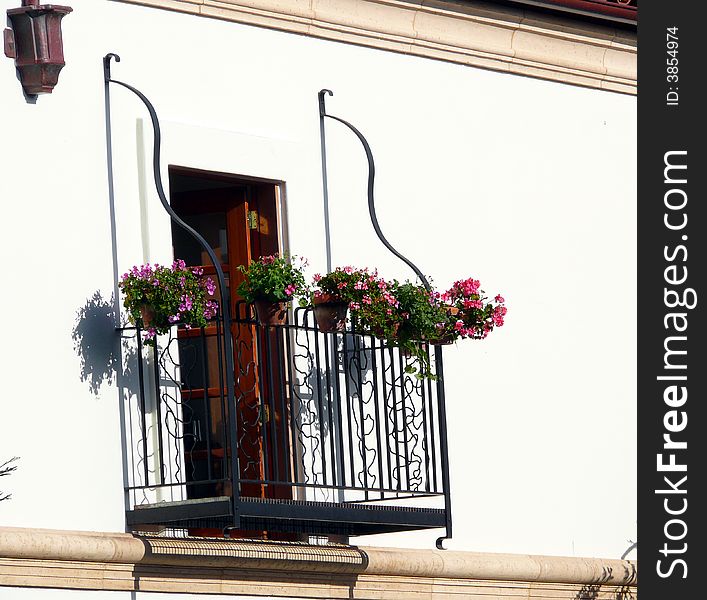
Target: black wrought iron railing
x=332, y=435
x=241, y=425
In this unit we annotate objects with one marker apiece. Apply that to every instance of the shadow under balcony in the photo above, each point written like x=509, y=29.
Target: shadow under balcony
x=324, y=434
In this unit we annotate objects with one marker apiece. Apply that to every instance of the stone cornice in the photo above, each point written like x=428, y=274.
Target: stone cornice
x=120, y=561
x=478, y=34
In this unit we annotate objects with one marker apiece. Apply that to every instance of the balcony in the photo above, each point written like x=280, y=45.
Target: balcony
x=324, y=434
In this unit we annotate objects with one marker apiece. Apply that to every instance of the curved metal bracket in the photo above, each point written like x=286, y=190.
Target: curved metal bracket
x=371, y=178
x=225, y=302
x=376, y=226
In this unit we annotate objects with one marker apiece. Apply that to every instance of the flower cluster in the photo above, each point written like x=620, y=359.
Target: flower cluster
x=372, y=301
x=273, y=278
x=475, y=316
x=406, y=314
x=165, y=296
x=424, y=319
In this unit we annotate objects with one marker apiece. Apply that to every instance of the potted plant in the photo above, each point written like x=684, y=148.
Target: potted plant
x=475, y=315
x=371, y=301
x=271, y=282
x=158, y=297
x=331, y=297
x=424, y=320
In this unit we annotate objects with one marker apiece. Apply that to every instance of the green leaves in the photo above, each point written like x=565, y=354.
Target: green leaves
x=176, y=295
x=272, y=278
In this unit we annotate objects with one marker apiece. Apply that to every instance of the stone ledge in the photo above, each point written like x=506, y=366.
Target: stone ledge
x=471, y=33
x=91, y=560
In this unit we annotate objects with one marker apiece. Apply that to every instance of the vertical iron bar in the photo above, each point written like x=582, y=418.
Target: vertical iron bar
x=271, y=403
x=125, y=417
x=395, y=419
x=262, y=416
x=143, y=406
x=425, y=424
x=320, y=406
x=359, y=371
x=325, y=179
x=293, y=412
x=433, y=433
x=404, y=418
x=339, y=405
x=385, y=416
x=282, y=427
x=207, y=402
x=330, y=406
x=377, y=414
x=158, y=401
x=228, y=444
x=349, y=416
x=443, y=447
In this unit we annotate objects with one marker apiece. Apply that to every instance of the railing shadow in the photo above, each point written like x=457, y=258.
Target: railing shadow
x=102, y=352
x=96, y=342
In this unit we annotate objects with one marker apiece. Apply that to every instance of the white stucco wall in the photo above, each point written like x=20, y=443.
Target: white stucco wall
x=525, y=184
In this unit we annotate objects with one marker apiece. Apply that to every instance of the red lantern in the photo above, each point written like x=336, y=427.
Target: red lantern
x=34, y=41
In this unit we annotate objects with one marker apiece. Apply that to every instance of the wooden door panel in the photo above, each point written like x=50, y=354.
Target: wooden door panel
x=221, y=215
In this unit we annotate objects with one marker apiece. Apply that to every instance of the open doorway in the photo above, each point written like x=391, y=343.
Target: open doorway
x=240, y=218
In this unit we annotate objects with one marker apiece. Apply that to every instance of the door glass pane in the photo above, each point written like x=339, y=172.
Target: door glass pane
x=210, y=225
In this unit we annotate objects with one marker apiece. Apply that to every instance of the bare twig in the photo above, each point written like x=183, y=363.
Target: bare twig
x=5, y=469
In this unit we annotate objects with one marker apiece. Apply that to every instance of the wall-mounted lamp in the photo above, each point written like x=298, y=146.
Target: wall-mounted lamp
x=34, y=41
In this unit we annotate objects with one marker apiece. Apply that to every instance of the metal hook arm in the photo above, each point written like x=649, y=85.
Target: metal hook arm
x=225, y=301
x=322, y=104
x=371, y=199
x=106, y=65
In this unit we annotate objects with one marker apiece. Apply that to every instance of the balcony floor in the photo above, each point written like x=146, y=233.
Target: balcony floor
x=296, y=516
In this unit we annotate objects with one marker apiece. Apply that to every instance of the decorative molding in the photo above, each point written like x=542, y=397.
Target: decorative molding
x=126, y=562
x=478, y=34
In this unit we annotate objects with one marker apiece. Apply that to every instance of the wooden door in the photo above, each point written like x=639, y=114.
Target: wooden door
x=219, y=211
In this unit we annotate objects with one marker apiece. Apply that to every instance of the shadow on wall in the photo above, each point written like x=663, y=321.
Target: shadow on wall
x=592, y=592
x=96, y=342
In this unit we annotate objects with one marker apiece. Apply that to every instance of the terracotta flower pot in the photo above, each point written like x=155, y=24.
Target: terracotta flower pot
x=271, y=313
x=378, y=332
x=147, y=315
x=330, y=313
x=444, y=340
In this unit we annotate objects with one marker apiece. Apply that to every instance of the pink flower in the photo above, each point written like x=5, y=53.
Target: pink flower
x=499, y=298
x=390, y=299
x=473, y=304
x=186, y=303
x=354, y=306
x=317, y=277
x=367, y=300
x=290, y=289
